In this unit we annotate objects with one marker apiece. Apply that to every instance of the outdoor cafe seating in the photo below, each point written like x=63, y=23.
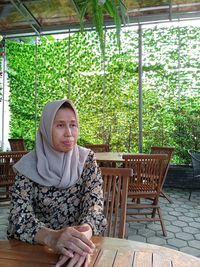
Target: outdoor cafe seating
x=164, y=150
x=195, y=159
x=115, y=189
x=101, y=148
x=17, y=144
x=98, y=147
x=145, y=187
x=108, y=252
x=7, y=175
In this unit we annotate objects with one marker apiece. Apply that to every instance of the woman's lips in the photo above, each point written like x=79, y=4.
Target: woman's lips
x=68, y=143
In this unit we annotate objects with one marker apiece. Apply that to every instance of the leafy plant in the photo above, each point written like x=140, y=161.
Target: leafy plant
x=106, y=95
x=97, y=9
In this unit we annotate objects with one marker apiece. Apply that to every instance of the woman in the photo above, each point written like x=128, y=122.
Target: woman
x=56, y=199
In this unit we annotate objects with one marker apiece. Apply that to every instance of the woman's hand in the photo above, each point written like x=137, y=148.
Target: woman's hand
x=76, y=261
x=85, y=229
x=74, y=239
x=70, y=239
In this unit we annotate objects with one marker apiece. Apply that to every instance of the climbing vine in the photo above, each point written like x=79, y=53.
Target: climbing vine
x=105, y=90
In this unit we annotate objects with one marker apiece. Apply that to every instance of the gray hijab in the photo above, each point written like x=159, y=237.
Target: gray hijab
x=46, y=166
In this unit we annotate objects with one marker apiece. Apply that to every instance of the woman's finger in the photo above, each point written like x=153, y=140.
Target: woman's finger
x=63, y=259
x=82, y=228
x=81, y=261
x=83, y=238
x=87, y=261
x=78, y=247
x=85, y=229
x=67, y=253
x=76, y=261
x=76, y=241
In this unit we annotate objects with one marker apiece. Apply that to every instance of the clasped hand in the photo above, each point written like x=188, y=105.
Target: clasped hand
x=74, y=245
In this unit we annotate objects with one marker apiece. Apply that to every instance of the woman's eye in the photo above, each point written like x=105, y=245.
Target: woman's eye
x=60, y=125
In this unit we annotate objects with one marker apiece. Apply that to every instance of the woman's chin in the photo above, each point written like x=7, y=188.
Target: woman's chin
x=64, y=149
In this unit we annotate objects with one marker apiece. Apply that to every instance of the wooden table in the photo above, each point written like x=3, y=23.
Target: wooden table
x=109, y=156
x=108, y=252
x=112, y=156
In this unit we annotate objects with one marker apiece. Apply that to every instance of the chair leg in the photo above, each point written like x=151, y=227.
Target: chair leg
x=155, y=201
x=163, y=194
x=162, y=222
x=153, y=213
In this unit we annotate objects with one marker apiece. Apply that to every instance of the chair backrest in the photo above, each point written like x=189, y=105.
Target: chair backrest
x=98, y=147
x=163, y=150
x=195, y=157
x=147, y=172
x=7, y=159
x=115, y=188
x=17, y=144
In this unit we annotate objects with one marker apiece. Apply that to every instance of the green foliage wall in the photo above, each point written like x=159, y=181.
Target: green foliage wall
x=171, y=60
x=105, y=90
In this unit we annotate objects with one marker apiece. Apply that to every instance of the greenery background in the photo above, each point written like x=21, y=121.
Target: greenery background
x=105, y=89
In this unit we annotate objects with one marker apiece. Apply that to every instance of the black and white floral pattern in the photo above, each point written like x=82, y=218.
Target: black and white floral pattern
x=34, y=206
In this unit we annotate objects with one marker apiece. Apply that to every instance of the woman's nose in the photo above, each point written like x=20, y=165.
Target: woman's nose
x=68, y=131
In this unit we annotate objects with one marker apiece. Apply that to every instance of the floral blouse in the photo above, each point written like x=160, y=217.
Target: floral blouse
x=34, y=206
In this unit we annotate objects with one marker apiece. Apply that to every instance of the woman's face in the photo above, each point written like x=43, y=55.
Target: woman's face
x=65, y=130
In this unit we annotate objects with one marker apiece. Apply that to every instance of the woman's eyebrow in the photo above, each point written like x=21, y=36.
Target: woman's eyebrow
x=63, y=121
x=59, y=121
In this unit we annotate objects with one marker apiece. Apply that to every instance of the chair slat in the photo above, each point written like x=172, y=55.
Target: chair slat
x=115, y=190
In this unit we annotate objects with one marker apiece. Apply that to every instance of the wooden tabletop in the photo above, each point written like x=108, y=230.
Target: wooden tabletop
x=109, y=156
x=112, y=156
x=108, y=252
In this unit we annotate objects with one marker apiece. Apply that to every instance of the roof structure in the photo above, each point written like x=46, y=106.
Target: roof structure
x=39, y=17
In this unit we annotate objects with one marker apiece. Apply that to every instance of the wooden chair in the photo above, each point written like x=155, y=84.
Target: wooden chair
x=169, y=151
x=98, y=147
x=195, y=158
x=7, y=175
x=115, y=189
x=17, y=144
x=145, y=185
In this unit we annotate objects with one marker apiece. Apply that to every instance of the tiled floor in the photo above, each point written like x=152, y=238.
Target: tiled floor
x=4, y=209
x=182, y=221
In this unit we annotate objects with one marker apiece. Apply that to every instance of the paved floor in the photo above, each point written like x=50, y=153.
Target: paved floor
x=182, y=221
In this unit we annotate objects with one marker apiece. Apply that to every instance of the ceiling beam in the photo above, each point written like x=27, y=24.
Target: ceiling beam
x=26, y=13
